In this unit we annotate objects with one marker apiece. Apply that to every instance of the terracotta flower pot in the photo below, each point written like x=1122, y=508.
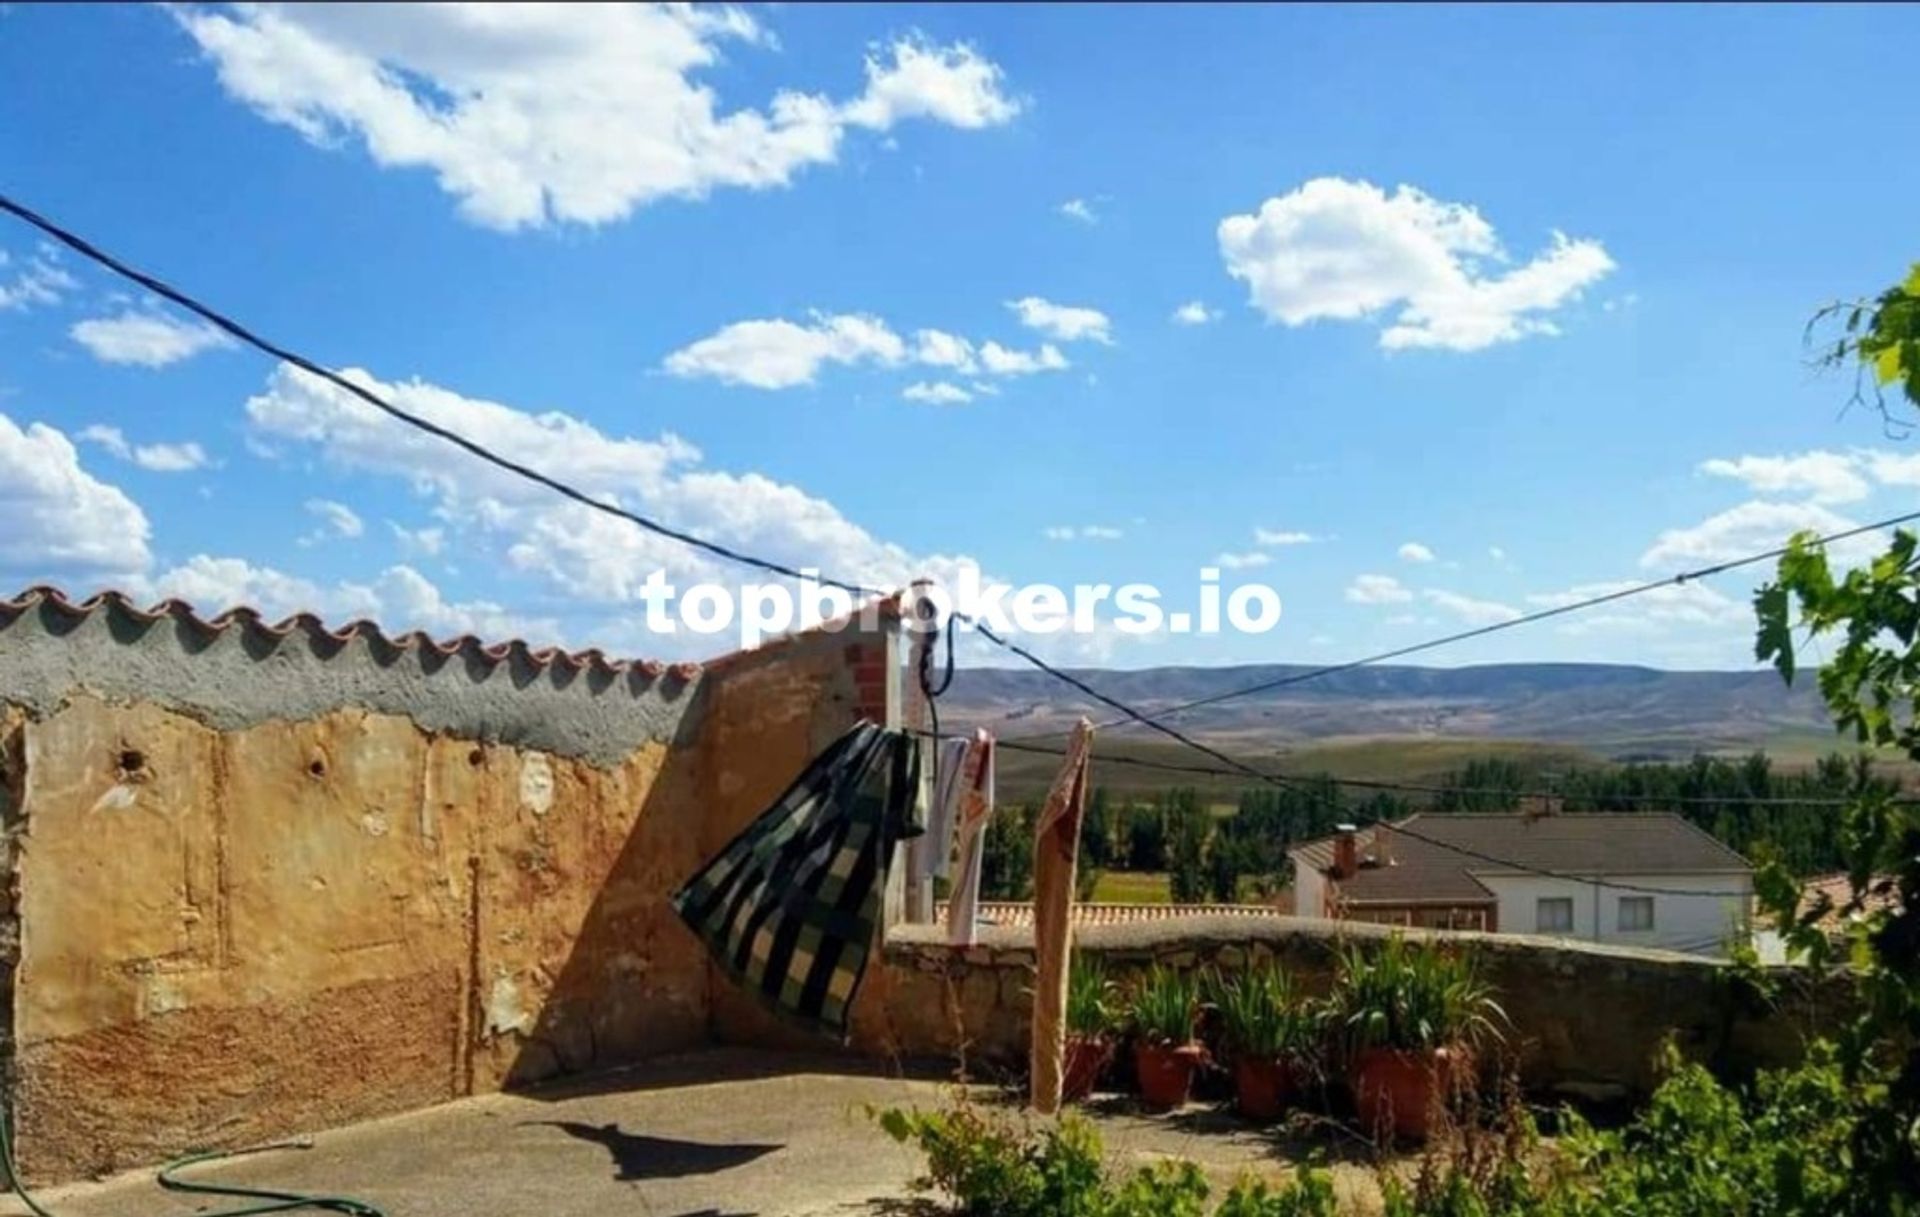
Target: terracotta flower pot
x=1395, y=1089
x=1261, y=1086
x=1087, y=1058
x=1166, y=1073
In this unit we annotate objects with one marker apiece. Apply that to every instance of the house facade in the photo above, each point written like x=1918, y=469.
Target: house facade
x=1639, y=879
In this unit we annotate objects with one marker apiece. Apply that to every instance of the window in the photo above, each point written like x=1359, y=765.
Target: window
x=1553, y=915
x=1636, y=913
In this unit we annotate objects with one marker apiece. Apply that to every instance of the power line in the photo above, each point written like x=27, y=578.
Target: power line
x=238, y=331
x=1430, y=644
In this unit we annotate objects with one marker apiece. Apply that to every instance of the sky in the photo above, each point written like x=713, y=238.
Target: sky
x=1423, y=316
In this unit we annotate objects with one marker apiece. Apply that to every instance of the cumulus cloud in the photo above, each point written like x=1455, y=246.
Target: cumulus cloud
x=1413, y=551
x=532, y=114
x=1272, y=536
x=146, y=339
x=1378, y=589
x=61, y=521
x=1194, y=313
x=1470, y=610
x=158, y=458
x=1748, y=528
x=1691, y=603
x=1244, y=561
x=428, y=542
x=1065, y=323
x=782, y=354
x=1335, y=249
x=937, y=393
x=1079, y=209
x=1827, y=477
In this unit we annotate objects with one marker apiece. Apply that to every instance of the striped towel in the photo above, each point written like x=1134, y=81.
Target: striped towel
x=791, y=907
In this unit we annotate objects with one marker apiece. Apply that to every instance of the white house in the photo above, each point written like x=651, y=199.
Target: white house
x=1635, y=878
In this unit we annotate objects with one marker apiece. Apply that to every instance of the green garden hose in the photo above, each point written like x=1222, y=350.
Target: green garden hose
x=265, y=1201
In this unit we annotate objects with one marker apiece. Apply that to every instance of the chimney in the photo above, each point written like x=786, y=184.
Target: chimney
x=1346, y=853
x=1383, y=844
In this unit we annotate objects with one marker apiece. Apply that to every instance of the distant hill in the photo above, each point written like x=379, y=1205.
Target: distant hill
x=1615, y=710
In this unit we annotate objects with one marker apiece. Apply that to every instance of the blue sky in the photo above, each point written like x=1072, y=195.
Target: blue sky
x=1517, y=291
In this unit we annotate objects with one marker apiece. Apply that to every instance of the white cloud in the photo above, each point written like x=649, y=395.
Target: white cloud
x=1079, y=209
x=1748, y=528
x=1893, y=468
x=1691, y=603
x=1087, y=532
x=149, y=340
x=938, y=393
x=1193, y=312
x=1827, y=477
x=60, y=519
x=1245, y=561
x=425, y=541
x=1063, y=322
x=1346, y=250
x=159, y=458
x=939, y=349
x=1413, y=551
x=528, y=114
x=1269, y=536
x=336, y=519
x=40, y=281
x=781, y=354
x=399, y=599
x=1470, y=610
x=1001, y=361
x=1496, y=553
x=1378, y=589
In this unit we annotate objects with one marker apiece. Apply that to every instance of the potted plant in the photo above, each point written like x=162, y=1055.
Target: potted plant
x=1413, y=1015
x=1266, y=1031
x=1165, y=1053
x=1090, y=1018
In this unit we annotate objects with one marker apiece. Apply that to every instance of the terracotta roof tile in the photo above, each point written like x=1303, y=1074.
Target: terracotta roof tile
x=1020, y=913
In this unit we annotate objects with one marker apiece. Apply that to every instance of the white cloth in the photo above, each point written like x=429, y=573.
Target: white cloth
x=974, y=806
x=932, y=851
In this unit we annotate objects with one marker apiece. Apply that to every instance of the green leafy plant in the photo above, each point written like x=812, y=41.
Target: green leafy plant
x=1163, y=1006
x=1090, y=998
x=1307, y=1194
x=1260, y=1015
x=1880, y=337
x=1407, y=996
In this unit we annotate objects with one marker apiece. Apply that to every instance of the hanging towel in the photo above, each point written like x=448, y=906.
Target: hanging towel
x=790, y=908
x=1056, y=852
x=933, y=850
x=975, y=809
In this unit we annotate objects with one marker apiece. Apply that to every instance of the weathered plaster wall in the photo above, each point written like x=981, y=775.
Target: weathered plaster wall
x=1584, y=1018
x=271, y=880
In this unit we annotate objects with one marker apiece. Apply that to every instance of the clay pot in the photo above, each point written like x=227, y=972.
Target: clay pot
x=1395, y=1089
x=1166, y=1073
x=1261, y=1086
x=1087, y=1058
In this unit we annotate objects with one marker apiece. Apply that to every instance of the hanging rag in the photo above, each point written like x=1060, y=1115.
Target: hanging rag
x=974, y=810
x=790, y=908
x=1056, y=853
x=932, y=851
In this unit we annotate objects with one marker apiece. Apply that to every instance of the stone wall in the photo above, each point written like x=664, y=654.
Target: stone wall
x=277, y=878
x=1584, y=1019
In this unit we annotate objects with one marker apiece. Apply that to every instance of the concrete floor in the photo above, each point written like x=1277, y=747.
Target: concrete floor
x=712, y=1134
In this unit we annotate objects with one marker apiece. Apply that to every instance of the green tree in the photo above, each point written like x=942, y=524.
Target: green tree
x=1189, y=826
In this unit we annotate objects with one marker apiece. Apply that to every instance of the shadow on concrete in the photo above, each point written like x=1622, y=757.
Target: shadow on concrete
x=704, y=1066
x=638, y=1157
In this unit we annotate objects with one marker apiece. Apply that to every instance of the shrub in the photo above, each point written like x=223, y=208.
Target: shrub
x=1163, y=1007
x=1260, y=1016
x=1090, y=995
x=1407, y=996
x=1308, y=1194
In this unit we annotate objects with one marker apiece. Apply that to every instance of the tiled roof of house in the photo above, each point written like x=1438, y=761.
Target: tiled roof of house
x=1020, y=913
x=1838, y=889
x=1397, y=868
x=54, y=605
